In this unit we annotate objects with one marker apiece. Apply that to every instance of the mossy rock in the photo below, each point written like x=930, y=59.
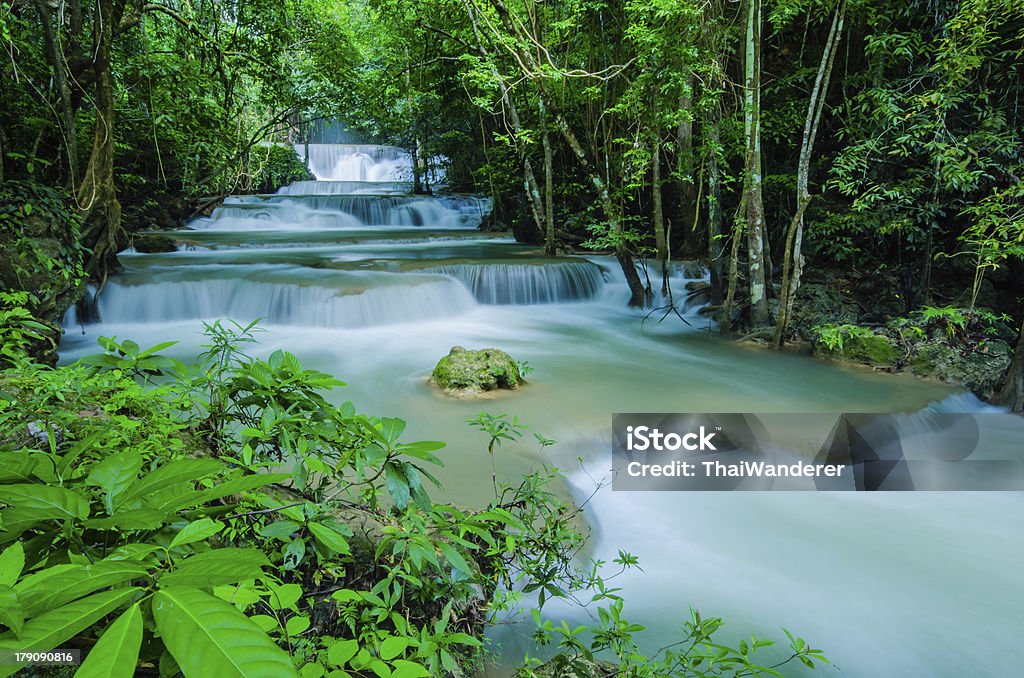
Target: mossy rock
x=466, y=373
x=873, y=349
x=148, y=244
x=862, y=346
x=979, y=368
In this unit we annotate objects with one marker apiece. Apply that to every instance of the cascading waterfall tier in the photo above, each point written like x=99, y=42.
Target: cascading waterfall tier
x=326, y=211
x=357, y=162
x=528, y=283
x=285, y=297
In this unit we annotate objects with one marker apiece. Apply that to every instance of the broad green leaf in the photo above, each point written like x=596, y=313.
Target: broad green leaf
x=402, y=668
x=241, y=597
x=281, y=529
x=170, y=474
x=16, y=467
x=343, y=650
x=284, y=596
x=393, y=646
x=225, y=489
x=455, y=558
x=115, y=473
x=117, y=651
x=11, y=614
x=195, y=531
x=391, y=428
x=422, y=449
x=329, y=539
x=40, y=596
x=296, y=624
x=208, y=637
x=132, y=552
x=47, y=631
x=12, y=562
x=126, y=521
x=55, y=502
x=265, y=621
x=398, y=485
x=216, y=567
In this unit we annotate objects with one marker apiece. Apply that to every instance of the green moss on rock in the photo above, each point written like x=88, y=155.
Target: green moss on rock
x=873, y=349
x=467, y=373
x=980, y=368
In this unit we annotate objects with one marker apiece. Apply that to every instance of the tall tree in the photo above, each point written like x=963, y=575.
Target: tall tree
x=753, y=197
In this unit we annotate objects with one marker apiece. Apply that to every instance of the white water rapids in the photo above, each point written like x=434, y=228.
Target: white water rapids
x=362, y=280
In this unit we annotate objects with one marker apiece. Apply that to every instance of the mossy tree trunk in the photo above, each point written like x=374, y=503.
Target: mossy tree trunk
x=97, y=196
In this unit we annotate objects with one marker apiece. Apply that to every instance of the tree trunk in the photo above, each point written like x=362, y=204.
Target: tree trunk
x=660, y=239
x=792, y=266
x=685, y=168
x=755, y=204
x=715, y=249
x=97, y=197
x=60, y=77
x=549, y=188
x=1012, y=394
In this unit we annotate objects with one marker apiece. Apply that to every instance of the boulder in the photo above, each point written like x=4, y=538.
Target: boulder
x=150, y=243
x=465, y=373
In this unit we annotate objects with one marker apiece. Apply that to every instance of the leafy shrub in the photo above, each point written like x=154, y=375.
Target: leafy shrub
x=273, y=166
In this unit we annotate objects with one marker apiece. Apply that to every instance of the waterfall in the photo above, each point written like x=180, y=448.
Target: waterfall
x=357, y=162
x=347, y=187
x=329, y=211
x=417, y=298
x=527, y=283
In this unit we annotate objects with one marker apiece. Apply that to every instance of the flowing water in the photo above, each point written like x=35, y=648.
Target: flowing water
x=362, y=280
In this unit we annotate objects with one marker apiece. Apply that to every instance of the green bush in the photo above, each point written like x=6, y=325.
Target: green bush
x=273, y=166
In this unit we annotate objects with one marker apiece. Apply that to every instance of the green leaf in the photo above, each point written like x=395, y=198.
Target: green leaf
x=170, y=474
x=392, y=647
x=281, y=529
x=284, y=596
x=16, y=467
x=208, y=637
x=343, y=650
x=407, y=669
x=455, y=558
x=225, y=489
x=115, y=473
x=52, y=502
x=216, y=567
x=12, y=562
x=329, y=539
x=47, y=631
x=398, y=485
x=41, y=595
x=195, y=531
x=11, y=614
x=297, y=624
x=126, y=521
x=422, y=449
x=117, y=651
x=391, y=428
